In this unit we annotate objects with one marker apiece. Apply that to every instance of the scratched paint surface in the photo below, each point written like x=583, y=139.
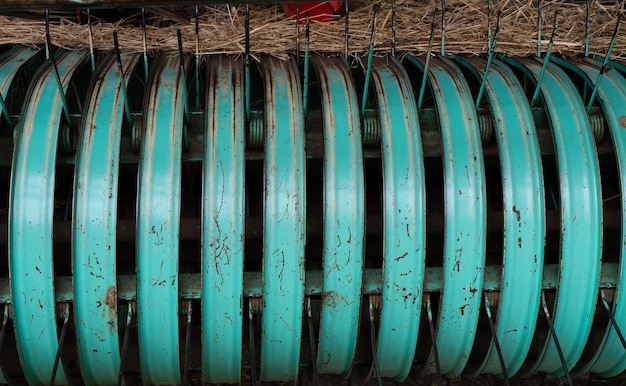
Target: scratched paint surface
x=610, y=359
x=524, y=218
x=465, y=214
x=31, y=209
x=158, y=221
x=223, y=222
x=344, y=218
x=284, y=222
x=581, y=218
x=94, y=226
x=404, y=220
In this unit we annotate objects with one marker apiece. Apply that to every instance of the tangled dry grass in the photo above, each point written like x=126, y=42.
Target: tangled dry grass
x=466, y=24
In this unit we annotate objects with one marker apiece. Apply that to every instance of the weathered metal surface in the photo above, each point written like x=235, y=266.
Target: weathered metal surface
x=284, y=221
x=223, y=222
x=31, y=206
x=404, y=219
x=610, y=358
x=344, y=218
x=158, y=221
x=465, y=217
x=581, y=218
x=524, y=218
x=94, y=225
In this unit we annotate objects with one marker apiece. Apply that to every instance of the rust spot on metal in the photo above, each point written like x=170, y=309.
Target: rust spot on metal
x=519, y=242
x=622, y=121
x=111, y=298
x=517, y=213
x=332, y=298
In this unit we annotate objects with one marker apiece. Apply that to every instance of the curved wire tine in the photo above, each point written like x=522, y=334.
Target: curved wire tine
x=247, y=59
x=546, y=60
x=122, y=79
x=489, y=34
x=539, y=28
x=144, y=40
x=443, y=27
x=129, y=318
x=433, y=337
x=612, y=318
x=347, y=30
x=373, y=341
x=5, y=321
x=50, y=55
x=605, y=61
x=251, y=311
x=368, y=72
x=420, y=98
x=298, y=32
x=493, y=41
x=187, y=312
x=587, y=25
x=546, y=312
x=64, y=312
x=181, y=59
x=91, y=54
x=393, y=28
x=305, y=92
x=197, y=41
x=492, y=327
x=316, y=380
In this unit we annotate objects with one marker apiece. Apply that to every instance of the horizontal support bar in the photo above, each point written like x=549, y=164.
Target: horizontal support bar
x=190, y=289
x=24, y=5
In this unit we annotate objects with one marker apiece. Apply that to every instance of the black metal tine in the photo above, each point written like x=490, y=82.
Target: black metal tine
x=347, y=29
x=587, y=28
x=65, y=313
x=433, y=338
x=181, y=59
x=129, y=318
x=316, y=380
x=91, y=54
x=373, y=342
x=144, y=39
x=612, y=318
x=5, y=321
x=122, y=79
x=544, y=305
x=605, y=62
x=495, y=341
x=393, y=28
x=187, y=311
x=298, y=32
x=251, y=337
x=247, y=73
x=50, y=54
x=443, y=28
x=197, y=59
x=539, y=27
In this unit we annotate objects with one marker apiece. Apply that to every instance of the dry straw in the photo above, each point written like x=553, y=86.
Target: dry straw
x=222, y=28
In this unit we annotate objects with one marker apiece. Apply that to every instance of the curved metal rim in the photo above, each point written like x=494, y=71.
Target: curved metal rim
x=284, y=221
x=223, y=222
x=94, y=225
x=610, y=359
x=464, y=251
x=30, y=222
x=344, y=217
x=524, y=218
x=158, y=222
x=581, y=219
x=404, y=239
